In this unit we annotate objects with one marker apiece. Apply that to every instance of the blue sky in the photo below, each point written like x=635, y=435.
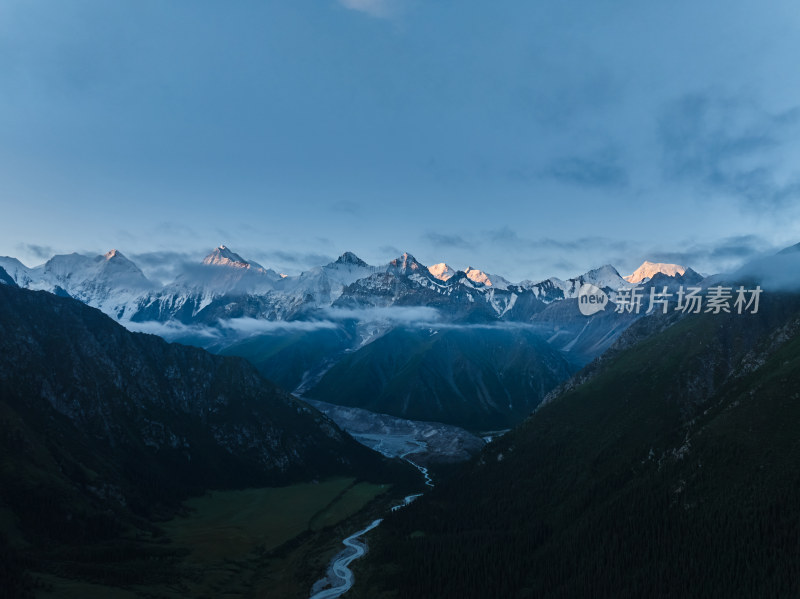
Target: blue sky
x=526, y=138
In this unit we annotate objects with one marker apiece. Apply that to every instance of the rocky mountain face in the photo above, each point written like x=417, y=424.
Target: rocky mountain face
x=103, y=429
x=669, y=467
x=118, y=287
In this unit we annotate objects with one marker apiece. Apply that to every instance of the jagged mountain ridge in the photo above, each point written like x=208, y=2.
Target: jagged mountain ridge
x=226, y=285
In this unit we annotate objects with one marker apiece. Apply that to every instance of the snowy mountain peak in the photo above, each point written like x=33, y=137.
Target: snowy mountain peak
x=441, y=271
x=114, y=263
x=350, y=258
x=649, y=269
x=117, y=259
x=473, y=274
x=478, y=276
x=406, y=265
x=605, y=270
x=604, y=277
x=222, y=256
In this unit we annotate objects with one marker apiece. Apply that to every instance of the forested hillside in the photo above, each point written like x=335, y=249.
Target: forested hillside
x=669, y=468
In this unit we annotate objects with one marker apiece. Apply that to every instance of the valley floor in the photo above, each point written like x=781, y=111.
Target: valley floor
x=270, y=542
x=267, y=542
x=431, y=442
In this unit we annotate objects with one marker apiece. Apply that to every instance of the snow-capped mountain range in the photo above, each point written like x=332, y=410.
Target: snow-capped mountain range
x=463, y=347
x=109, y=282
x=225, y=285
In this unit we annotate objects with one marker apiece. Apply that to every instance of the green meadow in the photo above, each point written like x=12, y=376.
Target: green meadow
x=267, y=542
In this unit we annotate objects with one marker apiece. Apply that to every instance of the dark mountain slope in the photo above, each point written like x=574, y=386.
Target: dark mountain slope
x=289, y=357
x=5, y=279
x=669, y=468
x=475, y=377
x=102, y=429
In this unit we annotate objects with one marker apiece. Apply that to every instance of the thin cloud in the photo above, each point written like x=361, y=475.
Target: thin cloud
x=447, y=240
x=253, y=326
x=40, y=252
x=302, y=260
x=174, y=330
x=382, y=9
x=164, y=267
x=390, y=250
x=588, y=171
x=715, y=256
x=774, y=272
x=235, y=328
x=397, y=315
x=731, y=146
x=508, y=236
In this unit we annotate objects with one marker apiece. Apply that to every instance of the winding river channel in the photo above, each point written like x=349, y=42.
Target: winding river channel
x=339, y=578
